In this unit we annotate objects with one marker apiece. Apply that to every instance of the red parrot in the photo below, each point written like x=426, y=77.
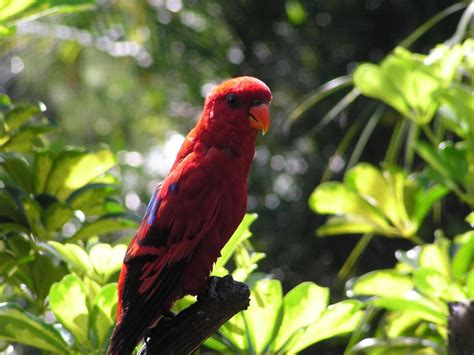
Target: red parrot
x=193, y=211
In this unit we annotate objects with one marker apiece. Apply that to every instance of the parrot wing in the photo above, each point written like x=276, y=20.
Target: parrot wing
x=180, y=213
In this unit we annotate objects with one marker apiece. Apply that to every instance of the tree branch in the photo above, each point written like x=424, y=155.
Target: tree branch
x=461, y=328
x=185, y=332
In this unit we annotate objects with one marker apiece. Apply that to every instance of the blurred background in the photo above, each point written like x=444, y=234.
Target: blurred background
x=134, y=74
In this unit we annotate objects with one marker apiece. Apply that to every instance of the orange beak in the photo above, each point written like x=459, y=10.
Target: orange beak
x=259, y=117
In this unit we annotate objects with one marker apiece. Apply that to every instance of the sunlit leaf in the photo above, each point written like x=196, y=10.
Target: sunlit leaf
x=104, y=225
x=432, y=312
x=302, y=306
x=263, y=317
x=103, y=314
x=20, y=114
x=75, y=256
x=42, y=165
x=74, y=168
x=107, y=260
x=432, y=256
x=241, y=233
x=338, y=319
x=434, y=285
x=20, y=327
x=380, y=283
x=463, y=260
x=67, y=299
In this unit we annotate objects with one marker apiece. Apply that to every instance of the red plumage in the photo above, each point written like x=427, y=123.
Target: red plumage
x=193, y=212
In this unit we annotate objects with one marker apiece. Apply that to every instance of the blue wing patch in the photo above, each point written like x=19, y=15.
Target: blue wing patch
x=152, y=207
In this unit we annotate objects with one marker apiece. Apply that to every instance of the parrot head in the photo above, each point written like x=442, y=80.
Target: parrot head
x=239, y=107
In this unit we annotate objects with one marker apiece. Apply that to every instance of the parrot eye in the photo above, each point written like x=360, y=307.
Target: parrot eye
x=233, y=101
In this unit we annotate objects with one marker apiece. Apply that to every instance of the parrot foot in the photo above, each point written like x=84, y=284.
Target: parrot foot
x=211, y=291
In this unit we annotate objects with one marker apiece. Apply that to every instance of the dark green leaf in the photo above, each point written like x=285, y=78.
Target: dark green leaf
x=56, y=216
x=21, y=327
x=104, y=225
x=18, y=169
x=20, y=115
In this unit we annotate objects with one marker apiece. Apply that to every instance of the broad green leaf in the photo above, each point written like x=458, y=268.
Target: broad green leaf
x=345, y=225
x=8, y=207
x=216, y=344
x=42, y=165
x=24, y=139
x=380, y=283
x=432, y=256
x=369, y=182
x=91, y=198
x=75, y=256
x=33, y=213
x=470, y=285
x=107, y=260
x=447, y=160
x=235, y=332
x=399, y=322
x=104, y=225
x=470, y=219
x=75, y=168
x=44, y=272
x=335, y=198
x=457, y=110
x=20, y=115
x=5, y=101
x=103, y=314
x=21, y=327
x=241, y=233
x=57, y=215
x=424, y=308
x=18, y=169
x=404, y=82
x=338, y=319
x=463, y=261
x=68, y=301
x=424, y=200
x=302, y=306
x=434, y=285
x=263, y=317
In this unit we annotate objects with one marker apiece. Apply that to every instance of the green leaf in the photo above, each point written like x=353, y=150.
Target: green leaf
x=338, y=319
x=397, y=323
x=21, y=327
x=18, y=169
x=44, y=272
x=470, y=219
x=24, y=139
x=8, y=207
x=19, y=115
x=263, y=317
x=463, y=260
x=447, y=160
x=107, y=260
x=380, y=283
x=67, y=299
x=104, y=225
x=33, y=213
x=434, y=285
x=432, y=256
x=470, y=285
x=42, y=165
x=241, y=233
x=335, y=198
x=91, y=198
x=75, y=256
x=345, y=225
x=57, y=215
x=103, y=315
x=457, y=110
x=302, y=306
x=74, y=168
x=405, y=82
x=424, y=308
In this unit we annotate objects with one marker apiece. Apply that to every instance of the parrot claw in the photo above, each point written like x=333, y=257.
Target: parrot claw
x=211, y=290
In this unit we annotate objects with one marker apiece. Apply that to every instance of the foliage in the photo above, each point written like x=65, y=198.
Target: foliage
x=416, y=294
x=433, y=101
